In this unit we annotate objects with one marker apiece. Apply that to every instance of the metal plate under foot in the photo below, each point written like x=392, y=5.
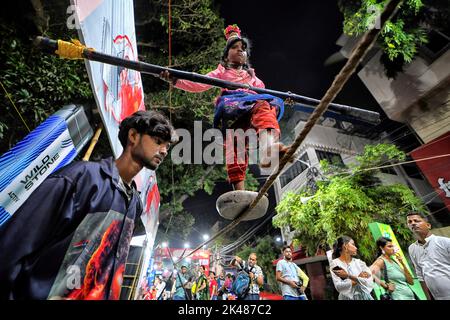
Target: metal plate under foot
x=230, y=204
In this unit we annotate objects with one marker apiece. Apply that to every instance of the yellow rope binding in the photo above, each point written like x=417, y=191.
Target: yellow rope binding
x=71, y=50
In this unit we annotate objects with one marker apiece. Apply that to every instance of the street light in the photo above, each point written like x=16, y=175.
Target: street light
x=278, y=239
x=205, y=237
x=186, y=245
x=164, y=244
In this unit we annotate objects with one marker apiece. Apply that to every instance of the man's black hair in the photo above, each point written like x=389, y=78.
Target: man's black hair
x=149, y=122
x=381, y=243
x=285, y=247
x=338, y=244
x=420, y=214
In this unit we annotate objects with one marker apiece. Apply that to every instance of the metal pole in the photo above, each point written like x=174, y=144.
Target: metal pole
x=51, y=46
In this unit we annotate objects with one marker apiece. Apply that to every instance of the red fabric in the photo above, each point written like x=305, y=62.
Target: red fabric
x=263, y=116
x=212, y=283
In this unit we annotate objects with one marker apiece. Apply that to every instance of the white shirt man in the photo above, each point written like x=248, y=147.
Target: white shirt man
x=160, y=287
x=287, y=274
x=430, y=256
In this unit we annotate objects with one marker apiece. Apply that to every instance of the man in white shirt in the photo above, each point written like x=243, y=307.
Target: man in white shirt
x=287, y=273
x=160, y=287
x=430, y=255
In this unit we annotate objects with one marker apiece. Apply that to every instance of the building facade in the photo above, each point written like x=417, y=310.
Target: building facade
x=339, y=142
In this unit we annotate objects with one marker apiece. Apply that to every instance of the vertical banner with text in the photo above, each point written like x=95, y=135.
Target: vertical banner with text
x=108, y=26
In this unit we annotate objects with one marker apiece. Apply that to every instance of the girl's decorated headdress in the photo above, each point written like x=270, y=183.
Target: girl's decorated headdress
x=232, y=35
x=232, y=32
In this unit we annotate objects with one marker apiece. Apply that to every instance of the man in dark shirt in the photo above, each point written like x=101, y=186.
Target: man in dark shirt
x=71, y=238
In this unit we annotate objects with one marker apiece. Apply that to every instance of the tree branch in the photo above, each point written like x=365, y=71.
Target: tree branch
x=164, y=214
x=41, y=20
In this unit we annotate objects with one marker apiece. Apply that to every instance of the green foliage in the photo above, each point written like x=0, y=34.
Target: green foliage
x=375, y=155
x=346, y=204
x=266, y=251
x=251, y=183
x=38, y=84
x=401, y=37
x=400, y=43
x=194, y=178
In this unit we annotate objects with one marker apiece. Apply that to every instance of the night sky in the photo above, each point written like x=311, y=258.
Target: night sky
x=290, y=43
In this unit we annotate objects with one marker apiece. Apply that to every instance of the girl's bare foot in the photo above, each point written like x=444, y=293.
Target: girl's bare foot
x=282, y=150
x=239, y=185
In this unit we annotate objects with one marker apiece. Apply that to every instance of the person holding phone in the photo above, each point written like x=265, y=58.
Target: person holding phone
x=351, y=277
x=399, y=277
